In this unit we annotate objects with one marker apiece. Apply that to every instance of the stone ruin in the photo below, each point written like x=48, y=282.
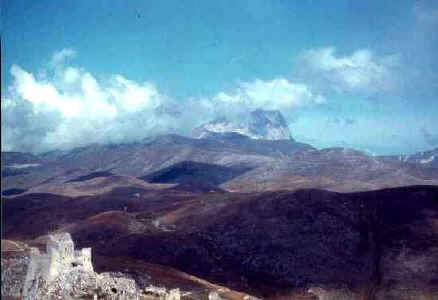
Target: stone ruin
x=63, y=273
x=60, y=257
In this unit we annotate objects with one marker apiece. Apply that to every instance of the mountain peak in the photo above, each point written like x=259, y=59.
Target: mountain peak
x=260, y=124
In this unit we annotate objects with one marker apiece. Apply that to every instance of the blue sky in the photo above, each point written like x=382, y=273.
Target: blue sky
x=359, y=74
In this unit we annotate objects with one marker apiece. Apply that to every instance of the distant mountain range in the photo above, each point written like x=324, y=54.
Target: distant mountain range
x=250, y=162
x=256, y=154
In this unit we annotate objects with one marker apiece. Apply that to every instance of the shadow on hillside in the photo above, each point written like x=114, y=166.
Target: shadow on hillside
x=190, y=171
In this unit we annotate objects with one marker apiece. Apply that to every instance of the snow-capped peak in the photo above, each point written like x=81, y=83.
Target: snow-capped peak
x=261, y=124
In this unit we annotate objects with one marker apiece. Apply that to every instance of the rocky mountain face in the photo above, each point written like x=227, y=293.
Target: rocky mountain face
x=261, y=124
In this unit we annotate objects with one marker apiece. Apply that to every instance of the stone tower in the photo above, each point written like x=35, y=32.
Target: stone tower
x=60, y=257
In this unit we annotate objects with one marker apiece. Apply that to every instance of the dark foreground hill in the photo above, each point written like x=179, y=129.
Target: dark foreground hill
x=383, y=242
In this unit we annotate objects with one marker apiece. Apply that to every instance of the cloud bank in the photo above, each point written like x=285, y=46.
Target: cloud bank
x=360, y=72
x=65, y=106
x=277, y=94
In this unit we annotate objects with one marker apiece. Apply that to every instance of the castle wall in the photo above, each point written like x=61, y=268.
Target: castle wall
x=85, y=259
x=61, y=255
x=63, y=271
x=34, y=270
x=61, y=243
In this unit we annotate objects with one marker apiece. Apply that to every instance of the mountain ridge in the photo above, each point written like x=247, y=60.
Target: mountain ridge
x=270, y=164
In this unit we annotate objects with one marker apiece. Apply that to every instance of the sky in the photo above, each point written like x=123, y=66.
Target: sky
x=357, y=74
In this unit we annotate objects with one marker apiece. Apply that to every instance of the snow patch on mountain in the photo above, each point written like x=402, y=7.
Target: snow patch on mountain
x=427, y=160
x=23, y=166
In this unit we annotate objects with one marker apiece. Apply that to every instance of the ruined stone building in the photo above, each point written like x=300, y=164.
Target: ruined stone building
x=64, y=273
x=60, y=257
x=61, y=272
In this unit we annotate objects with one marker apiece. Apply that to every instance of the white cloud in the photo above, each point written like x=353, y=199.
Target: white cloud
x=360, y=71
x=38, y=93
x=46, y=96
x=71, y=75
x=69, y=107
x=276, y=94
x=59, y=56
x=132, y=96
